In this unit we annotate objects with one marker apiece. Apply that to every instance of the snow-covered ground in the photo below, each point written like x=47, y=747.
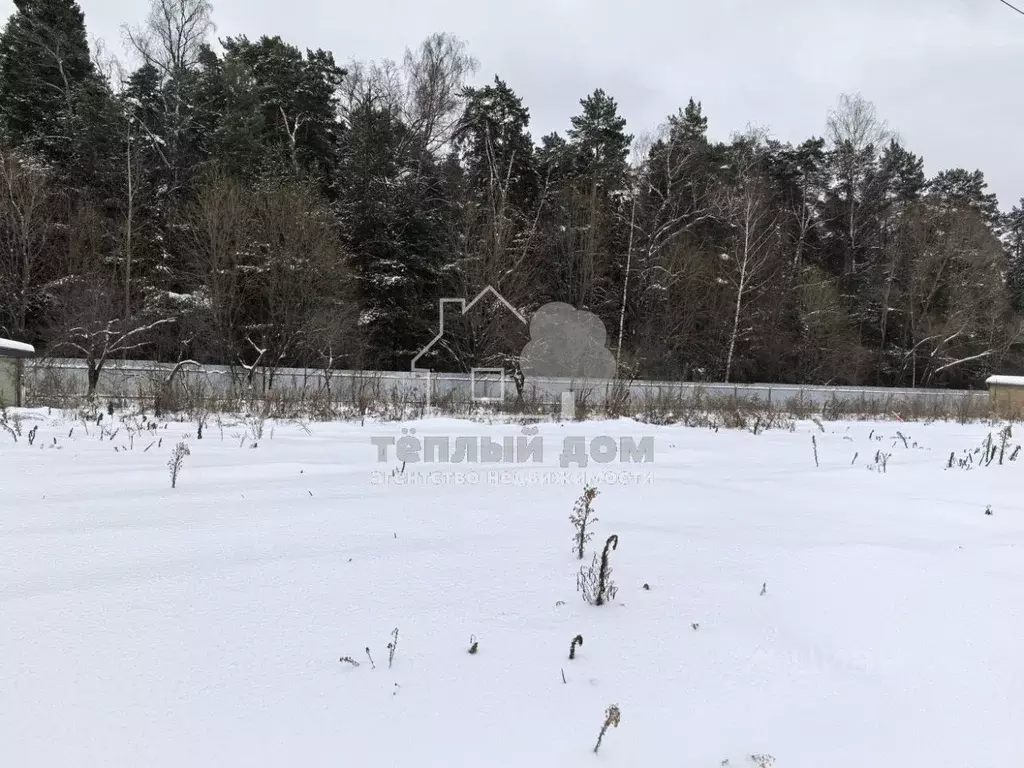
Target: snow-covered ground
x=825, y=616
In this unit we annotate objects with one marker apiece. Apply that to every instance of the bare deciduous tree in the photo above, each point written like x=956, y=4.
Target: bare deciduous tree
x=827, y=345
x=302, y=277
x=855, y=121
x=856, y=133
x=436, y=75
x=171, y=42
x=751, y=256
x=954, y=302
x=275, y=275
x=173, y=35
x=426, y=91
x=217, y=230
x=27, y=235
x=85, y=313
x=495, y=250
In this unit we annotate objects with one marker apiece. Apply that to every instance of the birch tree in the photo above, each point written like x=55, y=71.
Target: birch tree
x=752, y=247
x=856, y=133
x=173, y=36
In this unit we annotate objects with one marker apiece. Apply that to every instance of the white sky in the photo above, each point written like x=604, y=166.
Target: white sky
x=945, y=74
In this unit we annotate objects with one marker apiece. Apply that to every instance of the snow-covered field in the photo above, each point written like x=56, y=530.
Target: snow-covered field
x=825, y=616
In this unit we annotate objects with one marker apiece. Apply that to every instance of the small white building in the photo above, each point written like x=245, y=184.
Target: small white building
x=1006, y=395
x=12, y=353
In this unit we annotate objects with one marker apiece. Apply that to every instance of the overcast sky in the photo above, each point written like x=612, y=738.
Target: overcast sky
x=945, y=74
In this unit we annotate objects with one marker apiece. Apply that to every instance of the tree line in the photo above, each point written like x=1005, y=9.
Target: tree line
x=265, y=206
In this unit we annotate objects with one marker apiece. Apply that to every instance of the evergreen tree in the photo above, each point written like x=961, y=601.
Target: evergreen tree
x=1014, y=228
x=45, y=73
x=496, y=145
x=53, y=103
x=680, y=156
x=592, y=258
x=691, y=125
x=250, y=195
x=279, y=109
x=393, y=232
x=903, y=173
x=145, y=200
x=600, y=143
x=959, y=188
x=554, y=160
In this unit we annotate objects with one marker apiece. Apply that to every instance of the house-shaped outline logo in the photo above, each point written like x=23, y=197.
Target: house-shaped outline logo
x=474, y=372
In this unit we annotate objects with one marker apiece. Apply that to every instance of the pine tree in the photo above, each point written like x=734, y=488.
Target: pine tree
x=959, y=188
x=1014, y=227
x=690, y=125
x=496, y=145
x=593, y=260
x=251, y=193
x=393, y=230
x=45, y=74
x=554, y=160
x=903, y=173
x=278, y=110
x=600, y=143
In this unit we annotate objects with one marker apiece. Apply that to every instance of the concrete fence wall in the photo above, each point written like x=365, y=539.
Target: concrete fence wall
x=10, y=382
x=139, y=379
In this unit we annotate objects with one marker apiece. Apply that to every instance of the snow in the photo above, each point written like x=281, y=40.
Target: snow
x=203, y=626
x=1008, y=381
x=10, y=348
x=368, y=316
x=189, y=300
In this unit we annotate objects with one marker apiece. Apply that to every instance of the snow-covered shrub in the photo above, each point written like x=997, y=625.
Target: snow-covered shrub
x=392, y=647
x=594, y=581
x=177, y=459
x=578, y=640
x=612, y=716
x=881, y=463
x=255, y=423
x=581, y=520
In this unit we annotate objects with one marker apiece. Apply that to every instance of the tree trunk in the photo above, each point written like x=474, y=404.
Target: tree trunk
x=94, y=368
x=735, y=327
x=625, y=282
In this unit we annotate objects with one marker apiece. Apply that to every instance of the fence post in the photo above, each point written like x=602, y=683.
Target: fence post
x=568, y=406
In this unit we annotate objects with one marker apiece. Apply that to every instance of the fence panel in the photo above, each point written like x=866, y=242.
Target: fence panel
x=133, y=380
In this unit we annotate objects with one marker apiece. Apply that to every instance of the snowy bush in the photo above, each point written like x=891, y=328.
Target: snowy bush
x=612, y=716
x=581, y=520
x=392, y=647
x=578, y=640
x=8, y=428
x=594, y=581
x=177, y=459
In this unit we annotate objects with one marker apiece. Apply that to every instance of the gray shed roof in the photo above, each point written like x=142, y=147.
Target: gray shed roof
x=10, y=348
x=1005, y=381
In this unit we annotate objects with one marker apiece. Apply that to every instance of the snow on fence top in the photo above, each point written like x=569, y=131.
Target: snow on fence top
x=10, y=348
x=1005, y=381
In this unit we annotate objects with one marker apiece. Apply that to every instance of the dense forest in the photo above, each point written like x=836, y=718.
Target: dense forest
x=253, y=203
